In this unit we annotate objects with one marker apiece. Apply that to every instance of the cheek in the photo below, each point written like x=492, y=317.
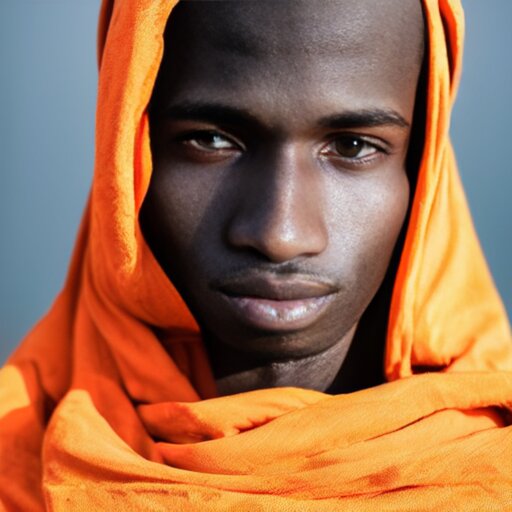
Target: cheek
x=385, y=207
x=175, y=210
x=180, y=201
x=371, y=213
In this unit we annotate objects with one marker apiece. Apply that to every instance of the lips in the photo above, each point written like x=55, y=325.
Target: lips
x=277, y=303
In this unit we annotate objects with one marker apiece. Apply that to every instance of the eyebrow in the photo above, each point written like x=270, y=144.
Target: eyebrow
x=365, y=118
x=224, y=114
x=212, y=112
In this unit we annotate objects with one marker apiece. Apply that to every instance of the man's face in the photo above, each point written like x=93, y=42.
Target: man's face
x=279, y=135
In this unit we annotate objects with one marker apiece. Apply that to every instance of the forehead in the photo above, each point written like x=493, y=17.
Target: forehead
x=258, y=28
x=348, y=50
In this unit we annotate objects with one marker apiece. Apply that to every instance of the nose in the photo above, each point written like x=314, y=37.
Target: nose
x=280, y=209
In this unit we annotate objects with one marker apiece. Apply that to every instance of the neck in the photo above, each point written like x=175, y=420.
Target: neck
x=242, y=373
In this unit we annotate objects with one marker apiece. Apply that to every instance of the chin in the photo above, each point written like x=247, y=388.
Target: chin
x=272, y=346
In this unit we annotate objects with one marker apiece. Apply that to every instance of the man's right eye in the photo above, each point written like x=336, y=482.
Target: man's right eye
x=209, y=141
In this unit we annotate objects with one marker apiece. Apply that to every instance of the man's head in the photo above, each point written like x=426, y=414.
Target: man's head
x=280, y=133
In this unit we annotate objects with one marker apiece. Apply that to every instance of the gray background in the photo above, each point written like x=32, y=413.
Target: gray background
x=47, y=94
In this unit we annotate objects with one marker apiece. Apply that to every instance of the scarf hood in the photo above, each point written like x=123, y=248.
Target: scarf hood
x=109, y=403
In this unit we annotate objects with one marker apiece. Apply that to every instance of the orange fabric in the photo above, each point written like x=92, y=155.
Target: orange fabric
x=109, y=403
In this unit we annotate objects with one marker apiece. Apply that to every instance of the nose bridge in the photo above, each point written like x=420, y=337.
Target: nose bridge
x=281, y=213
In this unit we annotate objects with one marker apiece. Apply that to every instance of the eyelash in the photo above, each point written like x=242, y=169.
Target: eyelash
x=378, y=147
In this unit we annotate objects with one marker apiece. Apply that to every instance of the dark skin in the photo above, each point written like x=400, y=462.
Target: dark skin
x=280, y=133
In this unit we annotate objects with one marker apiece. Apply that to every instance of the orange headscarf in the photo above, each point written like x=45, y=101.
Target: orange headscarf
x=109, y=403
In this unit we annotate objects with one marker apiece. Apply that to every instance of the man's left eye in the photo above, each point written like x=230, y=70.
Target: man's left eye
x=352, y=148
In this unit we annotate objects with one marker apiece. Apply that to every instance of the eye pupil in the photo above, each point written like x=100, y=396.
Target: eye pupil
x=214, y=141
x=349, y=147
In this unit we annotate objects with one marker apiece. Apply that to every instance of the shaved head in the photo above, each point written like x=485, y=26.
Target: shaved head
x=299, y=31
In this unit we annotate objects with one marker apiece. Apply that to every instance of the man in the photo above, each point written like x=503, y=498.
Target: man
x=197, y=359
x=298, y=186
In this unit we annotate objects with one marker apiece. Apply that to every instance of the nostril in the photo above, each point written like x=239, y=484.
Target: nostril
x=279, y=239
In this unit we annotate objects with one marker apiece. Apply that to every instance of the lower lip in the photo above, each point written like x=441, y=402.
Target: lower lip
x=279, y=315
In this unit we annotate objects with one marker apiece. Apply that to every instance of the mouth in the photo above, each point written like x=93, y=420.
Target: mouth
x=272, y=303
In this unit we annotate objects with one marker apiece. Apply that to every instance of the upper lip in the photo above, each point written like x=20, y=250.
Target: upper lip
x=275, y=287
